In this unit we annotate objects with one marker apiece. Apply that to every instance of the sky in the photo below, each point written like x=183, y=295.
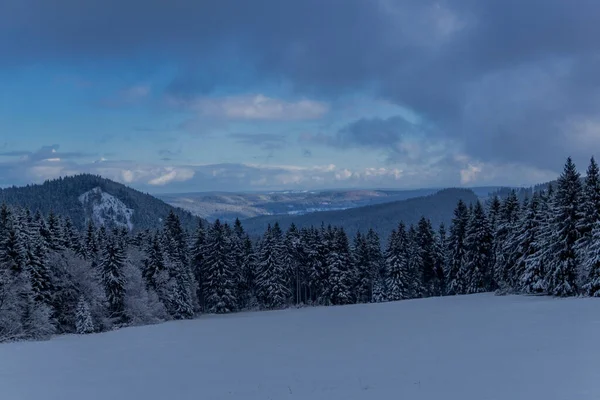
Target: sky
x=194, y=95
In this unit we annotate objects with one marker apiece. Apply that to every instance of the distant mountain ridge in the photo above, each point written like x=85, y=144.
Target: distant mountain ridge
x=438, y=207
x=227, y=206
x=90, y=197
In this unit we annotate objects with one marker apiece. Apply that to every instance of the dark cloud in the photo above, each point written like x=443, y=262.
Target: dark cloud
x=266, y=141
x=510, y=80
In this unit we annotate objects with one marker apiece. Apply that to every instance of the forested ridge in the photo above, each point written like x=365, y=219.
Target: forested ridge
x=61, y=196
x=55, y=278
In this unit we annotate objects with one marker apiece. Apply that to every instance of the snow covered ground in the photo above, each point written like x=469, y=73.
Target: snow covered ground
x=479, y=347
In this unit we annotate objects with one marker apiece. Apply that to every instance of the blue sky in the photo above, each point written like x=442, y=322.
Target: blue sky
x=281, y=94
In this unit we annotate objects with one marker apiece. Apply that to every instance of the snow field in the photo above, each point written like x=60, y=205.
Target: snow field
x=477, y=347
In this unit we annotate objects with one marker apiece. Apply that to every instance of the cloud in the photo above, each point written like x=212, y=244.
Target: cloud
x=497, y=83
x=172, y=175
x=128, y=97
x=47, y=153
x=252, y=107
x=266, y=141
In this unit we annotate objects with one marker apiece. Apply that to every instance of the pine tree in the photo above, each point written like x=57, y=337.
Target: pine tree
x=564, y=262
x=457, y=250
x=271, y=283
x=478, y=245
x=589, y=215
x=430, y=275
x=441, y=244
x=12, y=250
x=55, y=237
x=589, y=212
x=366, y=273
x=84, y=323
x=592, y=264
x=91, y=244
x=113, y=279
x=398, y=277
x=339, y=264
x=197, y=259
x=505, y=239
x=218, y=283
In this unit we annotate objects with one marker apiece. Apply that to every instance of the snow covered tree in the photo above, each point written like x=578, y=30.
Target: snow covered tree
x=111, y=269
x=365, y=275
x=441, y=246
x=339, y=265
x=589, y=216
x=218, y=283
x=83, y=319
x=504, y=240
x=197, y=260
x=457, y=250
x=398, y=277
x=271, y=283
x=592, y=264
x=430, y=275
x=564, y=262
x=590, y=204
x=475, y=272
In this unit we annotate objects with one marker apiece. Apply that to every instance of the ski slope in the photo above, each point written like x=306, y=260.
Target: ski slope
x=479, y=347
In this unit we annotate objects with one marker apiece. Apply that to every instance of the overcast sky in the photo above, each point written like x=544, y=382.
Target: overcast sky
x=193, y=95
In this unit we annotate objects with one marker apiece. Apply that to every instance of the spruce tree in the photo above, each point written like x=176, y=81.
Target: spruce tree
x=430, y=275
x=592, y=264
x=457, y=250
x=197, y=259
x=504, y=241
x=83, y=319
x=219, y=286
x=564, y=262
x=589, y=216
x=475, y=273
x=339, y=264
x=113, y=279
x=271, y=283
x=398, y=277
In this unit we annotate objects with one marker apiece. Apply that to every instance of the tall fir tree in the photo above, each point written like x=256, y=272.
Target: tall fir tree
x=478, y=255
x=504, y=240
x=591, y=286
x=218, y=283
x=430, y=275
x=564, y=262
x=457, y=250
x=398, y=277
x=339, y=264
x=271, y=276
x=113, y=278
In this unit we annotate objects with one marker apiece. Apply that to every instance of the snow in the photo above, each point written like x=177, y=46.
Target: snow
x=478, y=347
x=105, y=206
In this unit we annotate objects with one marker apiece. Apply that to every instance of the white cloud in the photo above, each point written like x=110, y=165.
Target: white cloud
x=254, y=107
x=173, y=175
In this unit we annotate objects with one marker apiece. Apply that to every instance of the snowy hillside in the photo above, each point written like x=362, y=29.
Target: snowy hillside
x=478, y=347
x=105, y=209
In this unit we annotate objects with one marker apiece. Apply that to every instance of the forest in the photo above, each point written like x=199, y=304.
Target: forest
x=56, y=278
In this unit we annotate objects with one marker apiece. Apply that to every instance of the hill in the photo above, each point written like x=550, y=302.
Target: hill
x=463, y=347
x=227, y=206
x=84, y=197
x=382, y=218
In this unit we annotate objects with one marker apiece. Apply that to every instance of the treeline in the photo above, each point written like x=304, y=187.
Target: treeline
x=54, y=279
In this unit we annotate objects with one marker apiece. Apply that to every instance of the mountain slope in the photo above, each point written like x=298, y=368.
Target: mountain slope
x=85, y=197
x=382, y=217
